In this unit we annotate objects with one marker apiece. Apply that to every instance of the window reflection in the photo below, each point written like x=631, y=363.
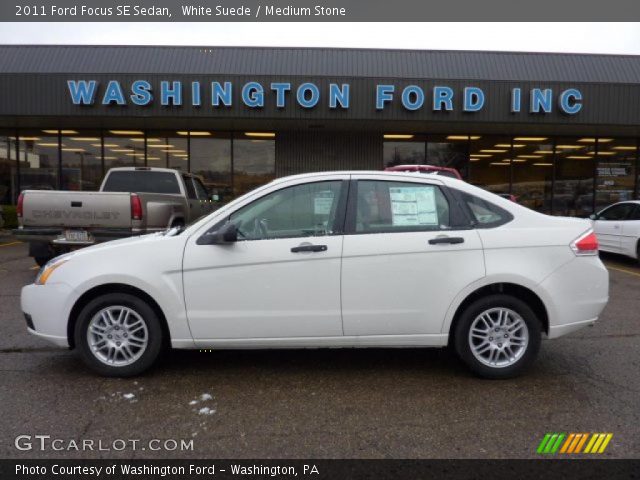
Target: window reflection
x=616, y=165
x=123, y=148
x=38, y=157
x=450, y=151
x=409, y=151
x=8, y=165
x=81, y=154
x=489, y=162
x=575, y=160
x=533, y=173
x=168, y=149
x=211, y=161
x=253, y=162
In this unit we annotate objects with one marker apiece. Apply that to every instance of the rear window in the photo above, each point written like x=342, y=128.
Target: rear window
x=142, y=181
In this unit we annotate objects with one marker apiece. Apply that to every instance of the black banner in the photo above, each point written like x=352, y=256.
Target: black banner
x=546, y=469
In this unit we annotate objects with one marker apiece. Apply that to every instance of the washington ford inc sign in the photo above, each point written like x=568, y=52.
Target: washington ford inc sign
x=308, y=95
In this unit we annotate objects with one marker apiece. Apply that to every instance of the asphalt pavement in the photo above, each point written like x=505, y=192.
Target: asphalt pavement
x=370, y=403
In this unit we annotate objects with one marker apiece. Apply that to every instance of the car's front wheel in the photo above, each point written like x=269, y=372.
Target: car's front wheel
x=498, y=336
x=118, y=335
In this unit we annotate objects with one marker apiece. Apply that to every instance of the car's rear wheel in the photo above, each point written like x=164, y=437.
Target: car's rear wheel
x=498, y=336
x=118, y=335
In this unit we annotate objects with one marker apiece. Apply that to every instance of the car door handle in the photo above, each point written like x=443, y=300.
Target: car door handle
x=440, y=240
x=309, y=248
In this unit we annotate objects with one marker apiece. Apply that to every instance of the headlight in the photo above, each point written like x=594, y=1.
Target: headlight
x=47, y=270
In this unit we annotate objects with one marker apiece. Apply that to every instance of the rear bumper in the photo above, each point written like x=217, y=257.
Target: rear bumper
x=54, y=235
x=577, y=292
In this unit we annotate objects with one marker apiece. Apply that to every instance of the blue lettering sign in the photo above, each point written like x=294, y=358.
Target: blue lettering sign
x=113, y=93
x=253, y=95
x=195, y=94
x=384, y=94
x=280, y=89
x=412, y=97
x=338, y=94
x=442, y=97
x=541, y=99
x=473, y=99
x=301, y=95
x=82, y=92
x=141, y=92
x=171, y=91
x=220, y=94
x=570, y=101
x=516, y=100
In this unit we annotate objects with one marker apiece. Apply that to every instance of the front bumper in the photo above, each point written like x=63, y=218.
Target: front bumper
x=48, y=307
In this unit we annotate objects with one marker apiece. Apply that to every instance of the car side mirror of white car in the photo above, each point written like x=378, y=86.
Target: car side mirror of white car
x=593, y=216
x=225, y=235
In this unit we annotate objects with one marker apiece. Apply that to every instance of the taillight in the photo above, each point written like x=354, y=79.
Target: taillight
x=19, y=206
x=585, y=244
x=136, y=207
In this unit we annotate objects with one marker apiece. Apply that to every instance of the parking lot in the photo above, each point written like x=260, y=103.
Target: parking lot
x=378, y=403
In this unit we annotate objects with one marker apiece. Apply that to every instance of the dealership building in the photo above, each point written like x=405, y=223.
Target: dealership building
x=559, y=131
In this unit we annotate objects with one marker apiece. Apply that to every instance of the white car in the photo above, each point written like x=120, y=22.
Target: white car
x=344, y=259
x=618, y=228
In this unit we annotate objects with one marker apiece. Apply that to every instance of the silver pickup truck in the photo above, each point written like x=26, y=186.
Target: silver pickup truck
x=131, y=201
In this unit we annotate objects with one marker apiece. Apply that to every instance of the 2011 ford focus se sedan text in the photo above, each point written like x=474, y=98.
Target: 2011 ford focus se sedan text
x=345, y=259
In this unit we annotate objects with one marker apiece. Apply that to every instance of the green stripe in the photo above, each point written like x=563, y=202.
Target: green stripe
x=558, y=442
x=543, y=443
x=550, y=443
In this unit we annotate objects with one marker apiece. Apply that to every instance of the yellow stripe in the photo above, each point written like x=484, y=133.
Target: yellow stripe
x=591, y=442
x=9, y=244
x=567, y=442
x=607, y=439
x=596, y=445
x=576, y=437
x=630, y=272
x=584, y=439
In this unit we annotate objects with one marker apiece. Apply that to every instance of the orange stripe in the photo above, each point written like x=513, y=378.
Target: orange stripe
x=567, y=442
x=574, y=443
x=581, y=444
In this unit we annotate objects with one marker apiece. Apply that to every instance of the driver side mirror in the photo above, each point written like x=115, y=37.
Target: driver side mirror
x=593, y=216
x=225, y=235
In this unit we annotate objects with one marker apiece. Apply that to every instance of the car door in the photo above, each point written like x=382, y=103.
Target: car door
x=281, y=278
x=195, y=206
x=206, y=205
x=407, y=253
x=631, y=233
x=608, y=226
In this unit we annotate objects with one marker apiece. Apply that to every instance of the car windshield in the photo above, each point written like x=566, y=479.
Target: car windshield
x=142, y=181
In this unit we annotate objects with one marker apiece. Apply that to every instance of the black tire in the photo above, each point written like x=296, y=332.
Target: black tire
x=463, y=326
x=150, y=319
x=42, y=261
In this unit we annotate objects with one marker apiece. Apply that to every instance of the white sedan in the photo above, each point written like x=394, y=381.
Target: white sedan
x=618, y=228
x=344, y=259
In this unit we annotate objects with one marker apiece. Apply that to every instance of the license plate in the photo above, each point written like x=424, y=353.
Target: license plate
x=76, y=236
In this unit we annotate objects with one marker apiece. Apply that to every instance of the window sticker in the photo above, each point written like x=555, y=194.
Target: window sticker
x=413, y=206
x=323, y=202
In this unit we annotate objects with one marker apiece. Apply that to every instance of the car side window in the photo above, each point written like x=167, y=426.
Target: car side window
x=201, y=192
x=387, y=206
x=616, y=212
x=636, y=214
x=484, y=214
x=300, y=211
x=188, y=184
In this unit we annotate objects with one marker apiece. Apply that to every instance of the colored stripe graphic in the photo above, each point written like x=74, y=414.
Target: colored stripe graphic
x=573, y=443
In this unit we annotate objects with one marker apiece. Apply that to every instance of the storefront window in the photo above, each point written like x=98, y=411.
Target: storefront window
x=8, y=187
x=533, y=172
x=574, y=169
x=81, y=160
x=211, y=161
x=616, y=170
x=490, y=162
x=168, y=149
x=254, y=161
x=38, y=157
x=450, y=151
x=123, y=148
x=401, y=149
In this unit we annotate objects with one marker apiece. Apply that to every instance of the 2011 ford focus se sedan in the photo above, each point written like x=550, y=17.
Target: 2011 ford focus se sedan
x=346, y=259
